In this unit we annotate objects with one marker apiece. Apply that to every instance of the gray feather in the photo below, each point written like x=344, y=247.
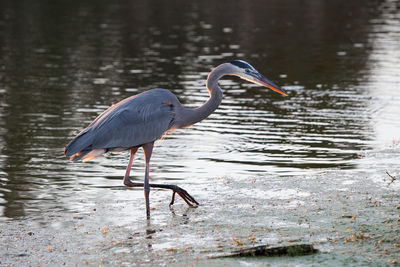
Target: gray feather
x=134, y=121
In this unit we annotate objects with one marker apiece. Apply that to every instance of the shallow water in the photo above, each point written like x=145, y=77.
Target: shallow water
x=61, y=64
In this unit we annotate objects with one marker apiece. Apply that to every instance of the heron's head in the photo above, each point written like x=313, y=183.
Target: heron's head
x=247, y=72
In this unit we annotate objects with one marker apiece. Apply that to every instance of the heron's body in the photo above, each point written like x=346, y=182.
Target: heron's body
x=138, y=121
x=132, y=122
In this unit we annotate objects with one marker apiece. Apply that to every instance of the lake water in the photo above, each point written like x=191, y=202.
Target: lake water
x=62, y=63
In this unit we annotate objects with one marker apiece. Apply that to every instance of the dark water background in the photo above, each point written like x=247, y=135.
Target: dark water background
x=63, y=62
x=266, y=169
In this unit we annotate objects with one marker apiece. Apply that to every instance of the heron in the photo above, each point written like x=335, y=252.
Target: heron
x=140, y=120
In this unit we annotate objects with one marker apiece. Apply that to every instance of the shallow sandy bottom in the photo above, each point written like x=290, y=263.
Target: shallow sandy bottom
x=351, y=216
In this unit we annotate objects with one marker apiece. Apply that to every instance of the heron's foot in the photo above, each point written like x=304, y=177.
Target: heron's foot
x=184, y=195
x=129, y=183
x=175, y=190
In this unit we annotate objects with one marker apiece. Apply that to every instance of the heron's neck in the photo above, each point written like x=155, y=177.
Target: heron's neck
x=190, y=116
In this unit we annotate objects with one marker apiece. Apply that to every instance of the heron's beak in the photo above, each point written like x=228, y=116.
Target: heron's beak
x=261, y=80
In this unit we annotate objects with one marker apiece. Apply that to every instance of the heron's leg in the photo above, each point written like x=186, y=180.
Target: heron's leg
x=148, y=149
x=175, y=189
x=128, y=181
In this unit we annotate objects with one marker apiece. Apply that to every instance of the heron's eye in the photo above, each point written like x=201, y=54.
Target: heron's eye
x=247, y=70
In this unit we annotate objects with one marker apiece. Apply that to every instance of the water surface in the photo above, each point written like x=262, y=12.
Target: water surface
x=62, y=63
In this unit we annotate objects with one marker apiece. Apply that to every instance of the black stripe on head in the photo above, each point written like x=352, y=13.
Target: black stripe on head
x=242, y=64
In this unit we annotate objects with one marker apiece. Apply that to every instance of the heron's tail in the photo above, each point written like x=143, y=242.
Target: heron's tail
x=80, y=148
x=86, y=155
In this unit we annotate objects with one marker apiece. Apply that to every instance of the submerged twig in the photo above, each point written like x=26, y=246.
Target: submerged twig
x=292, y=250
x=391, y=177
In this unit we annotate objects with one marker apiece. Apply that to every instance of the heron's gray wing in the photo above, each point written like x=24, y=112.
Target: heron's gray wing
x=132, y=125
x=133, y=121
